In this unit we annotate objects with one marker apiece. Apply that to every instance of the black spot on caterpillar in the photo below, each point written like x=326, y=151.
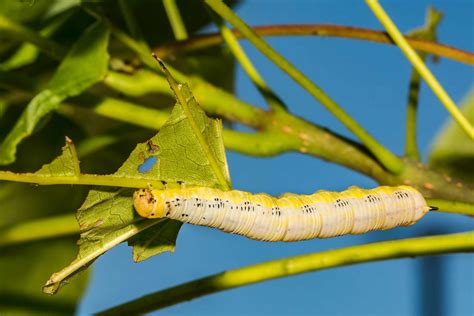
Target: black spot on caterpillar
x=290, y=217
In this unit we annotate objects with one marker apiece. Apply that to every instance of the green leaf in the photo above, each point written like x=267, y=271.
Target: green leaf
x=182, y=157
x=202, y=135
x=84, y=65
x=107, y=217
x=452, y=151
x=156, y=239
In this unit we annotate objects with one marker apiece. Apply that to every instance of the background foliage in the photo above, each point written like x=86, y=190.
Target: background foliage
x=85, y=71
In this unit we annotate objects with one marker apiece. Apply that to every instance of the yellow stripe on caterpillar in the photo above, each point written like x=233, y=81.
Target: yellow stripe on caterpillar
x=290, y=217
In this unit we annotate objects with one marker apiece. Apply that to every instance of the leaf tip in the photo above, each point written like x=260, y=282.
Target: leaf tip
x=160, y=62
x=51, y=287
x=68, y=140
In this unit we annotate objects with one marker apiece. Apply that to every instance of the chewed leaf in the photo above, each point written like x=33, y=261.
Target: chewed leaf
x=453, y=151
x=84, y=65
x=107, y=217
x=203, y=133
x=182, y=158
x=66, y=164
x=148, y=164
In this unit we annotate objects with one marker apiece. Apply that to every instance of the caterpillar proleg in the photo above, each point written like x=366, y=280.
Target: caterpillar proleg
x=290, y=217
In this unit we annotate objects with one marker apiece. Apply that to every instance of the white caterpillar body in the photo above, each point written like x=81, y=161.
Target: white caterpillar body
x=290, y=217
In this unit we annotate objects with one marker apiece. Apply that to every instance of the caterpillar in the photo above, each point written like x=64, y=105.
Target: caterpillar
x=290, y=217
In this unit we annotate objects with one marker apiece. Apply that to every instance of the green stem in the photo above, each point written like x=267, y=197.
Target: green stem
x=420, y=66
x=214, y=100
x=411, y=147
x=82, y=179
x=386, y=158
x=177, y=24
x=457, y=207
x=405, y=248
x=222, y=102
x=428, y=32
x=25, y=34
x=264, y=144
x=272, y=99
x=39, y=229
x=117, y=109
x=325, y=30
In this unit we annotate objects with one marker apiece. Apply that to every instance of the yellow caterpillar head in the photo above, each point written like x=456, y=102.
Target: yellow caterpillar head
x=148, y=204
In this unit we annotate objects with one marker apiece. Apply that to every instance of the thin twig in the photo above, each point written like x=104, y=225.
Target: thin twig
x=201, y=41
x=177, y=24
x=428, y=32
x=272, y=99
x=421, y=68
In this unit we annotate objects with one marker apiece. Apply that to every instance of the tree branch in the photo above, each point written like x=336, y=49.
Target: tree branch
x=323, y=30
x=405, y=248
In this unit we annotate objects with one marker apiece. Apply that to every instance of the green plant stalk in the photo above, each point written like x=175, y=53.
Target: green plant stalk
x=117, y=109
x=456, y=207
x=420, y=66
x=95, y=143
x=39, y=229
x=201, y=41
x=212, y=99
x=386, y=158
x=428, y=32
x=82, y=179
x=23, y=33
x=405, y=248
x=219, y=96
x=272, y=99
x=411, y=147
x=17, y=59
x=176, y=22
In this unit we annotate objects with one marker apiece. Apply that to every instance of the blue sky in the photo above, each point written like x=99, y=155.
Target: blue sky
x=370, y=81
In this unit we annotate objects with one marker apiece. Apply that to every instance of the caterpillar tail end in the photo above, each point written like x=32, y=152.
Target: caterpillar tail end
x=433, y=208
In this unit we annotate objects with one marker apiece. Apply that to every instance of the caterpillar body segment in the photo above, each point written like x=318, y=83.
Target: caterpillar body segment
x=290, y=217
